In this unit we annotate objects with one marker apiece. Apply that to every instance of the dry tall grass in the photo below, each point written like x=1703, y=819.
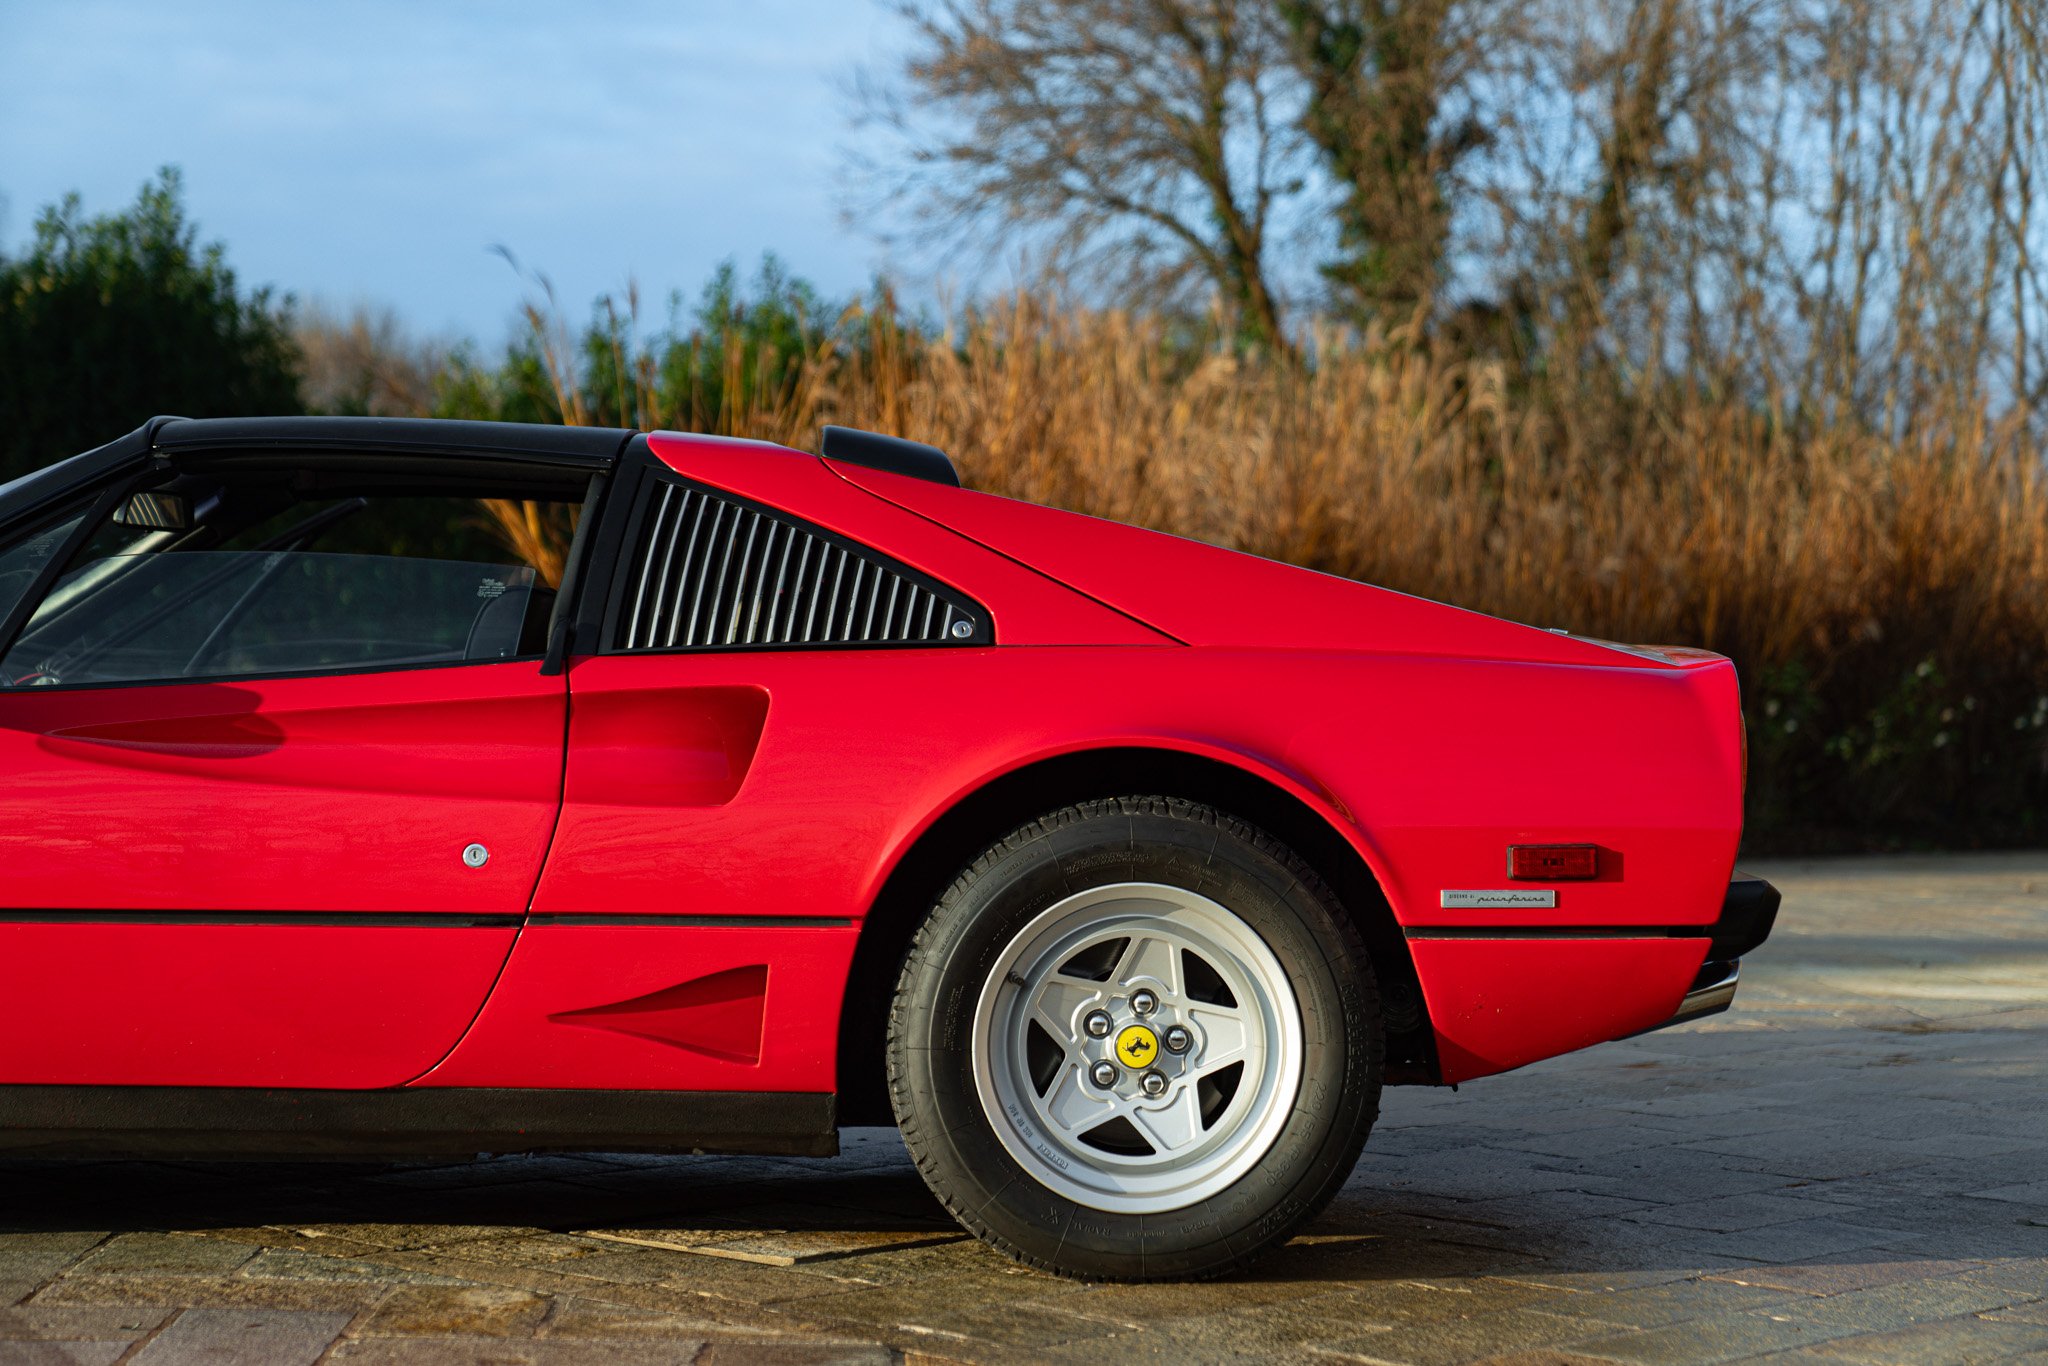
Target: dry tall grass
x=1886, y=597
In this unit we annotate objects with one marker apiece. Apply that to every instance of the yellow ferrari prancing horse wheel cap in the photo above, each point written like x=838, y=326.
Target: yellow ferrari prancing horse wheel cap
x=1137, y=1046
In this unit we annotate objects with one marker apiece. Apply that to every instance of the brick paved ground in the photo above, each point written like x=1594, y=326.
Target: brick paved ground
x=1847, y=1168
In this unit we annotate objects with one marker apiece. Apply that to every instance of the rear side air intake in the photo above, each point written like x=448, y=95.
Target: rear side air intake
x=712, y=572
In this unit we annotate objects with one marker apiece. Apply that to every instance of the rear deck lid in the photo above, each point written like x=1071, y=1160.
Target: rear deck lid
x=1206, y=595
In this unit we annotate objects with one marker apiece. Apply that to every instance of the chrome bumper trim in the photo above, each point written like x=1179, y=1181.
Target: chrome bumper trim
x=1713, y=991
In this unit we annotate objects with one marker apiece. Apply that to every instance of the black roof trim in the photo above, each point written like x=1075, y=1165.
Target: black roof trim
x=891, y=453
x=591, y=446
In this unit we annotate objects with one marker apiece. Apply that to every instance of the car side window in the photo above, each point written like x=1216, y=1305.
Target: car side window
x=256, y=574
x=712, y=572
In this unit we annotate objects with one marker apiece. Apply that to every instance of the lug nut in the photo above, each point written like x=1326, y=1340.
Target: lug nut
x=1176, y=1038
x=1144, y=1002
x=1103, y=1074
x=1097, y=1024
x=1154, y=1083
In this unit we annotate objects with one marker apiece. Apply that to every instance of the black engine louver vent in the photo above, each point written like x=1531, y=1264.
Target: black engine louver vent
x=715, y=573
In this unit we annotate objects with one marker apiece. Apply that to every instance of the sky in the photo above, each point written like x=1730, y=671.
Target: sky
x=375, y=151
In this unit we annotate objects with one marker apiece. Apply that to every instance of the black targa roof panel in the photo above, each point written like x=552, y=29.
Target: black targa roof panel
x=596, y=447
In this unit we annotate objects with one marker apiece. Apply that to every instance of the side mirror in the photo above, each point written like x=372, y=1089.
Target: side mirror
x=155, y=512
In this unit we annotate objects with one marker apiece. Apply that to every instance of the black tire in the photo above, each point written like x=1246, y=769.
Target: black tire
x=961, y=943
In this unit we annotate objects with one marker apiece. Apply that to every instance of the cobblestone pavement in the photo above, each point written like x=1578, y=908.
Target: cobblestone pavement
x=1846, y=1168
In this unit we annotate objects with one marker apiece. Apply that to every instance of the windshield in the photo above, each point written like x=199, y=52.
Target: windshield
x=23, y=562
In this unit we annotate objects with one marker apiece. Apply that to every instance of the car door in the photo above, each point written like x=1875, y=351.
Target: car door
x=275, y=790
x=762, y=709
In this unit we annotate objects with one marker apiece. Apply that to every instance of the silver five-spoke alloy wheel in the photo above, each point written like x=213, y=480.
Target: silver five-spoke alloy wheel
x=1137, y=1048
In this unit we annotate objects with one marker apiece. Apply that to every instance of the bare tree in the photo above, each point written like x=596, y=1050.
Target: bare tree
x=1381, y=77
x=1137, y=137
x=1823, y=209
x=366, y=364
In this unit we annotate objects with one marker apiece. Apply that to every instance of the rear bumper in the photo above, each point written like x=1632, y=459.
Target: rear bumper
x=1747, y=914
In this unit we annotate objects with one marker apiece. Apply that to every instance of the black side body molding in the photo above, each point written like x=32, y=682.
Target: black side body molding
x=1748, y=911
x=425, y=920
x=237, y=1122
x=892, y=453
x=362, y=920
x=1560, y=932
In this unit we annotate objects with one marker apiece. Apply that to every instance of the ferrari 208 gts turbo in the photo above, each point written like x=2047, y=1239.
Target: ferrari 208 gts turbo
x=399, y=788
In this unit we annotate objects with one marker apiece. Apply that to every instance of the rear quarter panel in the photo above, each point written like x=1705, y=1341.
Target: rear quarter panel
x=1435, y=766
x=1430, y=767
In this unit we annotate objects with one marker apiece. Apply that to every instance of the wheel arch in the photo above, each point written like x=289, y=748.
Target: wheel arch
x=986, y=813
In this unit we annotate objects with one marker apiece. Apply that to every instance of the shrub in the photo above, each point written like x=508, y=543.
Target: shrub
x=105, y=322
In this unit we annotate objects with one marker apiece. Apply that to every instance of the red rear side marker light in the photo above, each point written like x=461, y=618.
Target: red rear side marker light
x=1553, y=862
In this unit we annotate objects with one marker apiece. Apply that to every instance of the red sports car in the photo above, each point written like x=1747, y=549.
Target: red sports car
x=402, y=787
